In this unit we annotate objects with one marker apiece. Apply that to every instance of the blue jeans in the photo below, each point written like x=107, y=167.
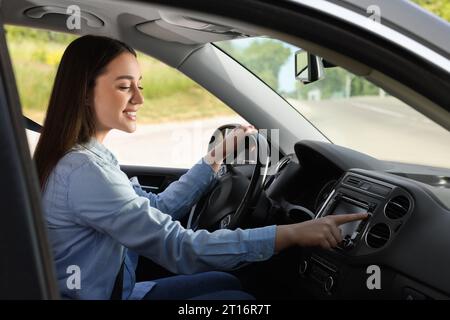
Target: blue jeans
x=212, y=285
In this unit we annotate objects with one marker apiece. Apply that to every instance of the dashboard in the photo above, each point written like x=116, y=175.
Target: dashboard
x=402, y=251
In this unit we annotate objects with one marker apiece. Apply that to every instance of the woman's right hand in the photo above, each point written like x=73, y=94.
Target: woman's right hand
x=323, y=232
x=229, y=145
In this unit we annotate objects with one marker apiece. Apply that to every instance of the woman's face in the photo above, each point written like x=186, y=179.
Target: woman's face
x=117, y=95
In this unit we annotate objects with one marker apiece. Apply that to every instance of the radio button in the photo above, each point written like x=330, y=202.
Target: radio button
x=347, y=243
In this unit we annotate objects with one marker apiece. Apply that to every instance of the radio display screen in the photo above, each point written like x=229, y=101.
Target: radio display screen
x=346, y=207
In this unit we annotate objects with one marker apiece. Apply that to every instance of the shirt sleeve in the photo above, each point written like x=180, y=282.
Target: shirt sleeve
x=102, y=198
x=181, y=195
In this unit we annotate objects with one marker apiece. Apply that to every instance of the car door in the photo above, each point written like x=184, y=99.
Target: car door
x=26, y=267
x=153, y=179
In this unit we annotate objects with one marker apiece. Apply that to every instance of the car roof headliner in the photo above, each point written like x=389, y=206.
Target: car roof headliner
x=148, y=28
x=162, y=33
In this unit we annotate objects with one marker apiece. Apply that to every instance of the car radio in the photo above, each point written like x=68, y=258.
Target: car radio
x=340, y=202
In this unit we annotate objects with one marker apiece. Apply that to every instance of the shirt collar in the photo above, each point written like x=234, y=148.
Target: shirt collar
x=100, y=150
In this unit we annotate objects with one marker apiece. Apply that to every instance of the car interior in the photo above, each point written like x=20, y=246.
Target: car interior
x=405, y=235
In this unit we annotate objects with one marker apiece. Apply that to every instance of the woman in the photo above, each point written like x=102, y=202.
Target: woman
x=95, y=214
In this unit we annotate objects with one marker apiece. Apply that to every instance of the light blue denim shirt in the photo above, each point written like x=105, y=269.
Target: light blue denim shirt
x=95, y=214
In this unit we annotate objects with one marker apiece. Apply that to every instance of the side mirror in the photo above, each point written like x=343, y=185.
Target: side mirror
x=308, y=67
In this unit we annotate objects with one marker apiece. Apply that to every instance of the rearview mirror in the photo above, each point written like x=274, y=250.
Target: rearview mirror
x=308, y=67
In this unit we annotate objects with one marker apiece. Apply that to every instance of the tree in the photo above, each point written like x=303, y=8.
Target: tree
x=263, y=57
x=440, y=8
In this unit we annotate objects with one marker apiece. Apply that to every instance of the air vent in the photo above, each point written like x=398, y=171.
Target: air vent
x=397, y=207
x=353, y=181
x=378, y=235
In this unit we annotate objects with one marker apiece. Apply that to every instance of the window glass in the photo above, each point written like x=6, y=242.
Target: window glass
x=348, y=109
x=173, y=126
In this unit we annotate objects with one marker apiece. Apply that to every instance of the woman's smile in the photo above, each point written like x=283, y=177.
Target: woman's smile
x=131, y=115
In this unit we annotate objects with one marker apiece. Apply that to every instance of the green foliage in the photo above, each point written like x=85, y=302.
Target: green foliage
x=160, y=80
x=338, y=83
x=362, y=87
x=264, y=57
x=169, y=95
x=440, y=8
x=19, y=34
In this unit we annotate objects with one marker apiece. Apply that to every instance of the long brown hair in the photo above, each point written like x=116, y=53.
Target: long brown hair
x=70, y=119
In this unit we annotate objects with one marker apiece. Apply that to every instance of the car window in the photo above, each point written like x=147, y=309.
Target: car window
x=173, y=126
x=348, y=109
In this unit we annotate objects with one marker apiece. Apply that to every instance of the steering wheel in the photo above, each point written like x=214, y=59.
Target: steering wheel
x=227, y=203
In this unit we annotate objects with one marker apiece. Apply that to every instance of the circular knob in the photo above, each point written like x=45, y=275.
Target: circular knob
x=303, y=267
x=329, y=284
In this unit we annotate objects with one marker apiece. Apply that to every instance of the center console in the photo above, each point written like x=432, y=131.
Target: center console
x=388, y=207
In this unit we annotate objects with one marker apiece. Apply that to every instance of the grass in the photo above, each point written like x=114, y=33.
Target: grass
x=169, y=95
x=194, y=103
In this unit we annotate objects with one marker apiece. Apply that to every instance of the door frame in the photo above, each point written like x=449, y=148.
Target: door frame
x=26, y=270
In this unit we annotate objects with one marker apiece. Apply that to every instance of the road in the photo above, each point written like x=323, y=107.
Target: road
x=174, y=144
x=384, y=128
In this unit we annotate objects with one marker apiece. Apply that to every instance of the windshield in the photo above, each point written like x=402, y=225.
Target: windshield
x=349, y=110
